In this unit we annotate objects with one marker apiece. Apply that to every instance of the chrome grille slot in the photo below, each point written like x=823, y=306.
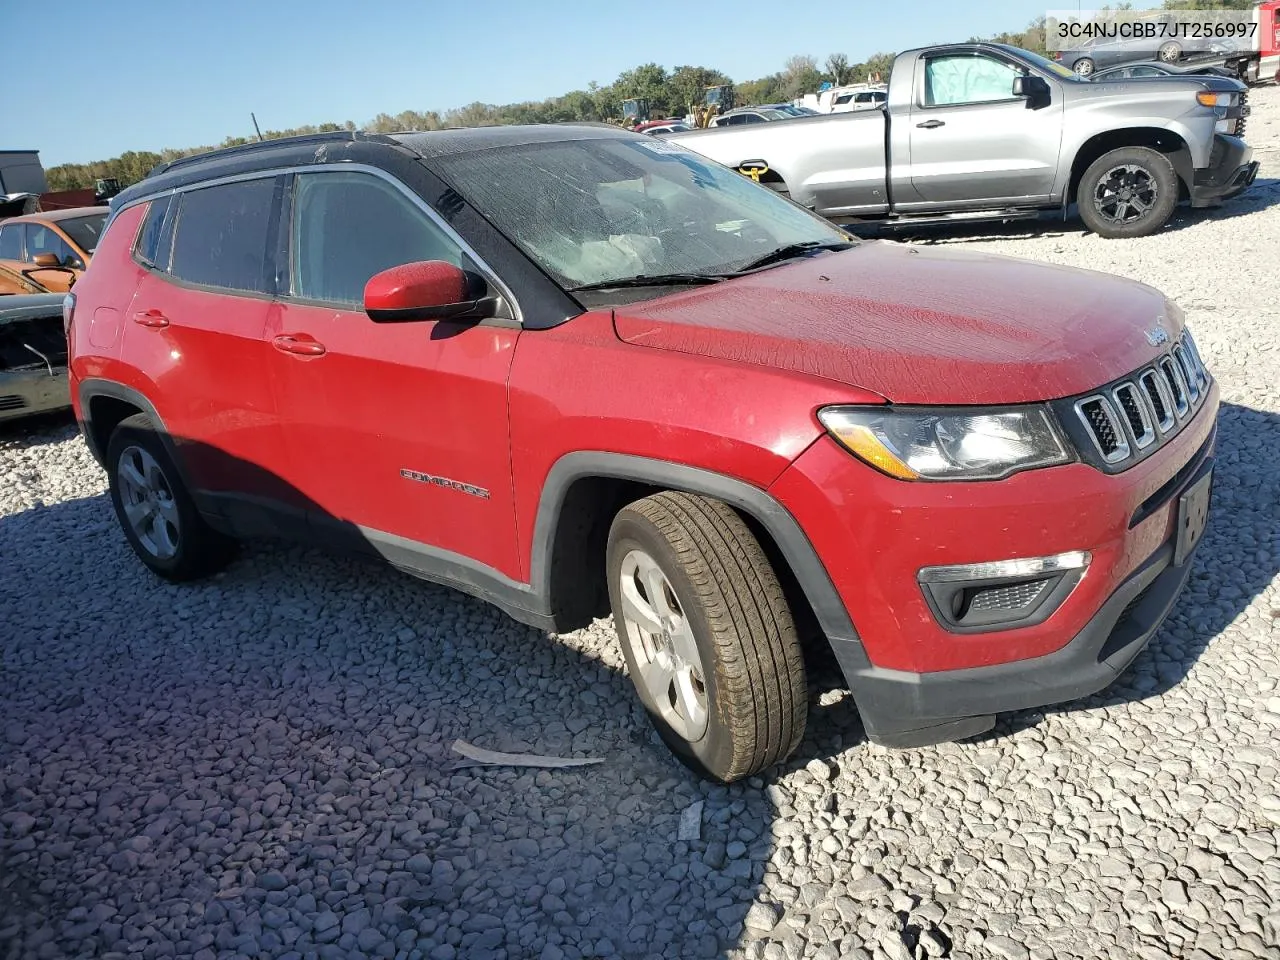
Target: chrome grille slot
x=1159, y=399
x=1133, y=416
x=1188, y=373
x=1174, y=378
x=1193, y=354
x=1099, y=415
x=1129, y=400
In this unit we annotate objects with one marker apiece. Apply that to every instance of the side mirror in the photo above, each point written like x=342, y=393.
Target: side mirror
x=428, y=290
x=1035, y=89
x=47, y=260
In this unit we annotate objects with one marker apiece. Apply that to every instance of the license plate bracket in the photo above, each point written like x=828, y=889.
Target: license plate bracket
x=1193, y=516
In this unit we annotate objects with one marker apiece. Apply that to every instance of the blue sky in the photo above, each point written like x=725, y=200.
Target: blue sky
x=98, y=79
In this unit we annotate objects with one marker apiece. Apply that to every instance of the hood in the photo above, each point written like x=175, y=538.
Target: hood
x=930, y=325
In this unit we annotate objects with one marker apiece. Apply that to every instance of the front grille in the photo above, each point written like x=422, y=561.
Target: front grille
x=1104, y=426
x=1135, y=413
x=12, y=402
x=1144, y=409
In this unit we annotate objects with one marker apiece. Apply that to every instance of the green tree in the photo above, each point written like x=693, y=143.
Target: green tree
x=838, y=68
x=800, y=75
x=687, y=86
x=646, y=82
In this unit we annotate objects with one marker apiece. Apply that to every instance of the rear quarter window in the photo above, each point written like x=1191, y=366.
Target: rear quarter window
x=222, y=236
x=149, y=249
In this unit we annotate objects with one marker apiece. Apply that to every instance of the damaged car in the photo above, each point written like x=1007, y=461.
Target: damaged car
x=33, y=355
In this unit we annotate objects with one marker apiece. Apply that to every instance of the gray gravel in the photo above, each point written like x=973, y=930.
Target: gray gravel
x=258, y=765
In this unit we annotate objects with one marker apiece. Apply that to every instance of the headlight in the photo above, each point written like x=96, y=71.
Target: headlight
x=1208, y=99
x=920, y=443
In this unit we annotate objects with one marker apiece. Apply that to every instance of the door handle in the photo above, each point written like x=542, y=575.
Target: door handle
x=287, y=343
x=930, y=124
x=151, y=318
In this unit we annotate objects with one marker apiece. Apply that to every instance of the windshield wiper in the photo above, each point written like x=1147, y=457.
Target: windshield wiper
x=652, y=280
x=790, y=251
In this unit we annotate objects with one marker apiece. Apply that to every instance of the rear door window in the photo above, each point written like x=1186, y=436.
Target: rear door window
x=222, y=236
x=349, y=226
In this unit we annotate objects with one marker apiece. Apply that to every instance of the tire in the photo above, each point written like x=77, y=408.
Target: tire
x=1084, y=67
x=730, y=641
x=155, y=510
x=1170, y=52
x=1148, y=176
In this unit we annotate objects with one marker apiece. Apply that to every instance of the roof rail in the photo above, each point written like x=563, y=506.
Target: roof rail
x=346, y=136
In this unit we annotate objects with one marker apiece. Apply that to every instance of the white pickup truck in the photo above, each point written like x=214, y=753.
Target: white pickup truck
x=990, y=131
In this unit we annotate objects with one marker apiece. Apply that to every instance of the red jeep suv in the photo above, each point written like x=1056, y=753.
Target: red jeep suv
x=569, y=369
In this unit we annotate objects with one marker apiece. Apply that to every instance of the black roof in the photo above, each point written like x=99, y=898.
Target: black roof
x=354, y=146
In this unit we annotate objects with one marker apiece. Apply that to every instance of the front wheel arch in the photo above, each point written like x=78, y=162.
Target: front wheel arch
x=562, y=528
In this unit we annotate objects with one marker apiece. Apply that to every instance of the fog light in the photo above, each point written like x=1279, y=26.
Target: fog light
x=1001, y=594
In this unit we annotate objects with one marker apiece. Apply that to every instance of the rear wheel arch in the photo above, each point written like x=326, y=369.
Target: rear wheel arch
x=106, y=403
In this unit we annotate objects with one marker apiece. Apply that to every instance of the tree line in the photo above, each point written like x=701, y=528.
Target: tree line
x=669, y=93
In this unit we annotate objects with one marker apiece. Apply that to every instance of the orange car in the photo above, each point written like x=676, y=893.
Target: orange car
x=55, y=238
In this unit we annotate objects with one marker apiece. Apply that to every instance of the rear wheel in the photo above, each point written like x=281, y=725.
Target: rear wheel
x=708, y=637
x=1129, y=192
x=156, y=512
x=1170, y=52
x=1083, y=66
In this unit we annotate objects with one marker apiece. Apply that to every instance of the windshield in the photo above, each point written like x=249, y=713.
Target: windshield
x=594, y=210
x=1057, y=69
x=84, y=231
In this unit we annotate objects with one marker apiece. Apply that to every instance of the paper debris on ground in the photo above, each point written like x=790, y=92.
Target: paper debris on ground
x=492, y=758
x=690, y=822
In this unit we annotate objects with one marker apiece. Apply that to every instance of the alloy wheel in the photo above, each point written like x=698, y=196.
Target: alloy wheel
x=148, y=502
x=662, y=644
x=1125, y=193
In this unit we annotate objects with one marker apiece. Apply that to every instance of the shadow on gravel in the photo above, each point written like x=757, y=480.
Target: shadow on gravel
x=1264, y=193
x=259, y=765
x=34, y=430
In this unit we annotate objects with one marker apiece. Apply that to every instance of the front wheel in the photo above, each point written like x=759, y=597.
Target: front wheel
x=1129, y=192
x=708, y=637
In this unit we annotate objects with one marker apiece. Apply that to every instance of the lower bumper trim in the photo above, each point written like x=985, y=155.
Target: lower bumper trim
x=901, y=709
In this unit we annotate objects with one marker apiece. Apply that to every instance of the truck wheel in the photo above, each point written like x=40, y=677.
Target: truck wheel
x=1129, y=192
x=1083, y=66
x=1170, y=52
x=156, y=512
x=707, y=634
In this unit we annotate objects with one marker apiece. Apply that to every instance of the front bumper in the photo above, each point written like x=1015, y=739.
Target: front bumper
x=916, y=681
x=27, y=392
x=1230, y=172
x=908, y=710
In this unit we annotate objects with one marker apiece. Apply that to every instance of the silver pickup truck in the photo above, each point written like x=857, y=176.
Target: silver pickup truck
x=990, y=131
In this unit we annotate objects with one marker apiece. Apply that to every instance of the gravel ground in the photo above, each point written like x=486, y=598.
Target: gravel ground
x=259, y=765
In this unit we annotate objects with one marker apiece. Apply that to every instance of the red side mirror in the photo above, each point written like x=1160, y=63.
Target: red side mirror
x=427, y=290
x=47, y=260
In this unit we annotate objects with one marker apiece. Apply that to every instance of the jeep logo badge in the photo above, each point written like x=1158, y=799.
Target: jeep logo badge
x=1157, y=335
